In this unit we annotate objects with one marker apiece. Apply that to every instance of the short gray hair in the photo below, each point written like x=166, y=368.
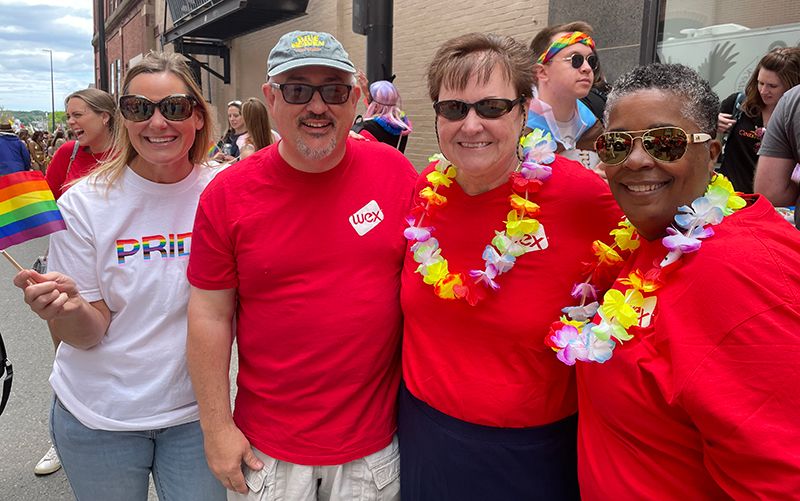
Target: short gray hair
x=700, y=104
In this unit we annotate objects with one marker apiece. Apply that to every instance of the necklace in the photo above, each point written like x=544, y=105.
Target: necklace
x=501, y=254
x=575, y=336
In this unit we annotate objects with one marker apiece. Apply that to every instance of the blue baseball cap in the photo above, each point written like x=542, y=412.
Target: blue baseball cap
x=308, y=48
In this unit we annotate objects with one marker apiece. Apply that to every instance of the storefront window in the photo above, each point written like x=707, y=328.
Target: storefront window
x=724, y=39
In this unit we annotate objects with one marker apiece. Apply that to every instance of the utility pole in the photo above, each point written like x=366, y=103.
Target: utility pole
x=52, y=94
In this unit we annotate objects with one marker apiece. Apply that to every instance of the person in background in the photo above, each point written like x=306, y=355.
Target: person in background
x=744, y=116
x=384, y=120
x=38, y=152
x=485, y=412
x=90, y=114
x=564, y=70
x=701, y=400
x=778, y=170
x=116, y=297
x=234, y=137
x=56, y=142
x=302, y=244
x=14, y=155
x=260, y=133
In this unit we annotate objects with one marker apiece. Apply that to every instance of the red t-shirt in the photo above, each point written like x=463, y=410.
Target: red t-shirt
x=704, y=404
x=57, y=175
x=487, y=364
x=318, y=313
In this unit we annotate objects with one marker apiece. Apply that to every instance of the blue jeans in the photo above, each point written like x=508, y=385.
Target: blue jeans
x=117, y=464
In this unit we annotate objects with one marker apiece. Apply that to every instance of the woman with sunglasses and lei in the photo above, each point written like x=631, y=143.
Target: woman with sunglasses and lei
x=687, y=367
x=565, y=67
x=494, y=246
x=116, y=297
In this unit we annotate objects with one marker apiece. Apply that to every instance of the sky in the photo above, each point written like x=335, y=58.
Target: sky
x=27, y=27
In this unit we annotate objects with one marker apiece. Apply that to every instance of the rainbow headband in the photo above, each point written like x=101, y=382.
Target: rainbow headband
x=565, y=41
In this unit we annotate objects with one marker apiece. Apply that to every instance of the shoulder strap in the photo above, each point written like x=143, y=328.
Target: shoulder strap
x=72, y=157
x=737, y=106
x=8, y=372
x=401, y=144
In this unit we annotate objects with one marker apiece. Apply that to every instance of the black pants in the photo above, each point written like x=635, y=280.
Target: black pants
x=443, y=458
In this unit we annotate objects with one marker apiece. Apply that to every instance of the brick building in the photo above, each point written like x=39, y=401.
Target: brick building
x=721, y=38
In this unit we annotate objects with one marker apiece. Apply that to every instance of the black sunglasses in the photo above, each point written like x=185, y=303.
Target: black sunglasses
x=665, y=144
x=298, y=93
x=176, y=107
x=577, y=61
x=454, y=109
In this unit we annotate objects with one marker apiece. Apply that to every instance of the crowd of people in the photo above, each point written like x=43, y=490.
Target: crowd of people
x=569, y=302
x=39, y=147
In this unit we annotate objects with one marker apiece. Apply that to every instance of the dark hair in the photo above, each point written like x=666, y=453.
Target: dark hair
x=458, y=59
x=785, y=61
x=700, y=103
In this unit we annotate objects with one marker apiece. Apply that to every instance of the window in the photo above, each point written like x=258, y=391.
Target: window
x=724, y=39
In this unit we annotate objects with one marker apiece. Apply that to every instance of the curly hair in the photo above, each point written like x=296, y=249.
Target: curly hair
x=700, y=103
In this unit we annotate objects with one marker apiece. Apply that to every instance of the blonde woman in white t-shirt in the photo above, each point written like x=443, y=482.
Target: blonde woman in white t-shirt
x=116, y=298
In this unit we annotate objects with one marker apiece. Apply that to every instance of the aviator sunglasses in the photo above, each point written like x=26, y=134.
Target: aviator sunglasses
x=665, y=144
x=176, y=107
x=487, y=108
x=298, y=93
x=577, y=60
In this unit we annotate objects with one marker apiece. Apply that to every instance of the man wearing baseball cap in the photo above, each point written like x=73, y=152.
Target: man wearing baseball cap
x=302, y=244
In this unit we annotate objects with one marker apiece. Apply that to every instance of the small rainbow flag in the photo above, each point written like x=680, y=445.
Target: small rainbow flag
x=27, y=208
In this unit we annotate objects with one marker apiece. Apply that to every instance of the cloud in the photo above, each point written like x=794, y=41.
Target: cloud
x=33, y=25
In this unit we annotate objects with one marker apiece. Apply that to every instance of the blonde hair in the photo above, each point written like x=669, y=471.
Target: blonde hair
x=123, y=152
x=98, y=101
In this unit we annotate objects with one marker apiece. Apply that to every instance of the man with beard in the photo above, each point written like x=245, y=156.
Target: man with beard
x=302, y=243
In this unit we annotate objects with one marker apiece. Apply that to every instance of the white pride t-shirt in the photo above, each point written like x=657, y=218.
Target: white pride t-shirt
x=129, y=246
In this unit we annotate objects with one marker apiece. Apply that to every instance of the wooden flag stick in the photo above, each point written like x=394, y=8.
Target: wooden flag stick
x=12, y=260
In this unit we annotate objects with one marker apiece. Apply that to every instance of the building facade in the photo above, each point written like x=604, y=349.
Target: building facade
x=228, y=40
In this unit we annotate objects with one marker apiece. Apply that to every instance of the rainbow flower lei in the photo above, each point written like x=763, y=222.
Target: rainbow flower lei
x=499, y=257
x=575, y=337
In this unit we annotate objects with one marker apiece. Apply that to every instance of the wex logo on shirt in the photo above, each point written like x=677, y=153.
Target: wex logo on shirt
x=366, y=218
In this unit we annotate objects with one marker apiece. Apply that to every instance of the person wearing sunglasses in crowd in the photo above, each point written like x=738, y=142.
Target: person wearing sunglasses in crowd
x=485, y=412
x=700, y=401
x=746, y=115
x=260, y=133
x=565, y=62
x=302, y=243
x=116, y=298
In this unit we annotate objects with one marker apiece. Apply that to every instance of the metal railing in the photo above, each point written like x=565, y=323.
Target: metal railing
x=179, y=9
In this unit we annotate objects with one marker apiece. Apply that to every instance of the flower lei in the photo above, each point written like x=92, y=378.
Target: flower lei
x=500, y=256
x=575, y=336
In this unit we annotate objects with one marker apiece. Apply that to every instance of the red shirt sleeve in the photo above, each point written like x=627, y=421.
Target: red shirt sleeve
x=212, y=265
x=744, y=400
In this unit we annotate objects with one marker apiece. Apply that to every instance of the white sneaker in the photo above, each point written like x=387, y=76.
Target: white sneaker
x=48, y=464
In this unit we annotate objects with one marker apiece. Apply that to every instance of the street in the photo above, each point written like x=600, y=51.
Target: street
x=24, y=435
